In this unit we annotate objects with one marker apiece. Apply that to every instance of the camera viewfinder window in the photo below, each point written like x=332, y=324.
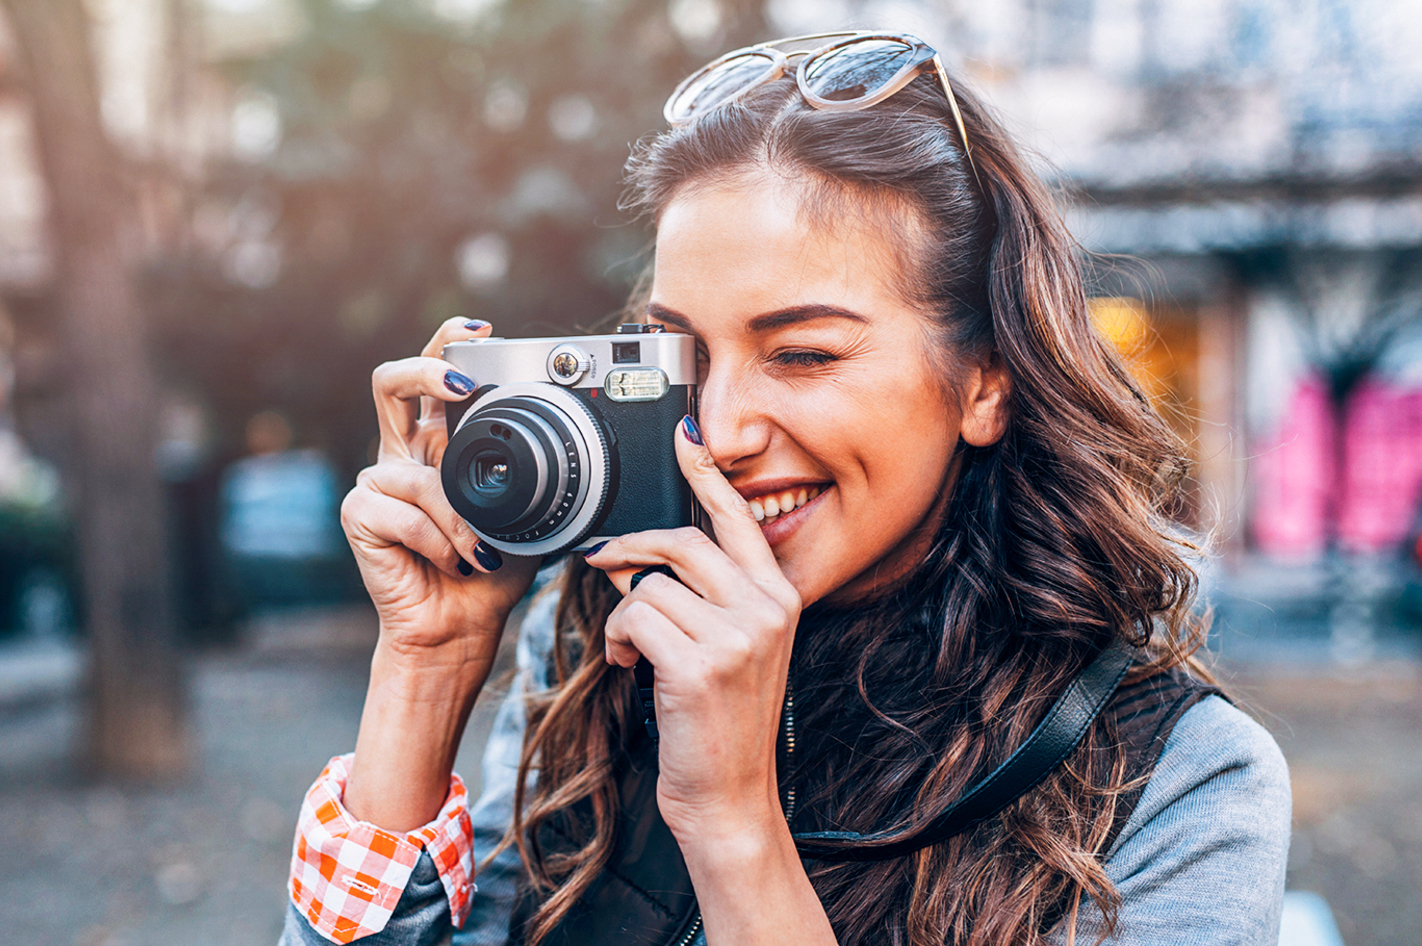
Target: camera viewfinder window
x=626, y=353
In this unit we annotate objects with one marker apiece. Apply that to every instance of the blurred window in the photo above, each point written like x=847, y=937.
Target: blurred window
x=281, y=505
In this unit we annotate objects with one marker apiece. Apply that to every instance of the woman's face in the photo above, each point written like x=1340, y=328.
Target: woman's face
x=818, y=397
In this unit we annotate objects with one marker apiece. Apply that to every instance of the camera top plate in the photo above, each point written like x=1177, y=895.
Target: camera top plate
x=500, y=361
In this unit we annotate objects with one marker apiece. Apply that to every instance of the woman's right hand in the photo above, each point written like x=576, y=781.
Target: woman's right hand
x=442, y=599
x=440, y=596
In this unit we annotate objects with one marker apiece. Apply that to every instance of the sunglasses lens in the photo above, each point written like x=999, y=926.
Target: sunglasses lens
x=857, y=70
x=718, y=84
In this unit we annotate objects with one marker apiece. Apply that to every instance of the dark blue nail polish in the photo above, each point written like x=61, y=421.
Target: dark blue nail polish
x=595, y=549
x=475, y=325
x=489, y=559
x=465, y=568
x=458, y=382
x=693, y=433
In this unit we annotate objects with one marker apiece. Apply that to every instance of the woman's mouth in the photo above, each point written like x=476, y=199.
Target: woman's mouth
x=769, y=508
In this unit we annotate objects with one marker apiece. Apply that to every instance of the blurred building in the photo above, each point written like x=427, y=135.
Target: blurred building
x=1250, y=171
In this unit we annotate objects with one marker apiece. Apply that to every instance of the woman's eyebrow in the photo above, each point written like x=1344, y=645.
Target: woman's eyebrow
x=662, y=314
x=768, y=322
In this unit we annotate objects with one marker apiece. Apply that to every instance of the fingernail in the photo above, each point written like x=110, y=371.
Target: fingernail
x=475, y=325
x=595, y=549
x=458, y=382
x=489, y=559
x=693, y=433
x=465, y=568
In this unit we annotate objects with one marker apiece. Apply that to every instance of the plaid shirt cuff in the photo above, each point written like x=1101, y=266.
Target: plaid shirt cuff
x=348, y=875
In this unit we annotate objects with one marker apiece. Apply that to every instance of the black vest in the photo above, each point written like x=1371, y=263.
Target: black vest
x=644, y=897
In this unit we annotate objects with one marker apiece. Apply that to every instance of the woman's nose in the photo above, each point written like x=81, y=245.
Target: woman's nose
x=733, y=421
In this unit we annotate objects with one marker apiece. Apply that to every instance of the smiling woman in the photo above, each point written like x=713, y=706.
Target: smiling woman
x=935, y=523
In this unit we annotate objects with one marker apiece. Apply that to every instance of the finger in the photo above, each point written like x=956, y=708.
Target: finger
x=737, y=532
x=374, y=521
x=421, y=486
x=458, y=329
x=637, y=629
x=696, y=616
x=698, y=562
x=398, y=386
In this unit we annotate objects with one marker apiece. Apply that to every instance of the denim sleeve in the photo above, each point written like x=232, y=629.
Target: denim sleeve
x=421, y=918
x=1202, y=858
x=488, y=923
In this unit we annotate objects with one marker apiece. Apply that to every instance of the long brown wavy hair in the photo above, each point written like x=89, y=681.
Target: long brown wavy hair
x=1054, y=542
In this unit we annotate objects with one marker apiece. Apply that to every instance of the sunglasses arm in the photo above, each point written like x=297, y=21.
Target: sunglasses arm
x=957, y=119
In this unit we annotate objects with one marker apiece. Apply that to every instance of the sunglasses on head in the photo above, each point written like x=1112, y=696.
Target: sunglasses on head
x=853, y=70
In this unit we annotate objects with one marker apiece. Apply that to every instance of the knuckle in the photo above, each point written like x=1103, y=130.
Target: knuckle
x=702, y=462
x=350, y=510
x=690, y=535
x=638, y=611
x=380, y=378
x=736, y=651
x=735, y=505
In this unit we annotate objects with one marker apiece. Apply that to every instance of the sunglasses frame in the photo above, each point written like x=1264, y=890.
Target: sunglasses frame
x=778, y=63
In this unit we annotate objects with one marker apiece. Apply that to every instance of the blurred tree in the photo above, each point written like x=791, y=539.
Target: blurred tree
x=429, y=164
x=136, y=719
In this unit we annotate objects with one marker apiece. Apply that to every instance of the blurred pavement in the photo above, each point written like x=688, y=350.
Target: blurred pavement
x=205, y=861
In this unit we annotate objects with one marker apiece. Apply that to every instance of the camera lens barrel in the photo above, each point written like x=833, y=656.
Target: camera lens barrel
x=528, y=469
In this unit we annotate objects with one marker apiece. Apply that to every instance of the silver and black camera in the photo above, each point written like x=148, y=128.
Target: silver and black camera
x=568, y=441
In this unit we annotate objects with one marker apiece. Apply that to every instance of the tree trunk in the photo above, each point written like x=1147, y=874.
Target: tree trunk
x=136, y=726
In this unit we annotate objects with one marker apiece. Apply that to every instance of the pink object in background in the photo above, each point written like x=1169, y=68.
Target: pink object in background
x=1382, y=469
x=1293, y=476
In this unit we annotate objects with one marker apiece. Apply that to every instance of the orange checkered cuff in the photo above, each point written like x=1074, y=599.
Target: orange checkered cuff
x=348, y=875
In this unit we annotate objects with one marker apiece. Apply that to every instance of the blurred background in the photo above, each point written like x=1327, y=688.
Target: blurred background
x=217, y=216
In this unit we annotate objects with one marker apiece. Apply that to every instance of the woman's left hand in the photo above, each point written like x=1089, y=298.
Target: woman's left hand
x=720, y=641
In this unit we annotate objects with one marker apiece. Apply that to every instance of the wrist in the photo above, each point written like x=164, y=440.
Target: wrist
x=733, y=834
x=448, y=673
x=414, y=716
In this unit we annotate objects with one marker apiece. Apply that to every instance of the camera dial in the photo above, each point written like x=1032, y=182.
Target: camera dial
x=528, y=468
x=567, y=364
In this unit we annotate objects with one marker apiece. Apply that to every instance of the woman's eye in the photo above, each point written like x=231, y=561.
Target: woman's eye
x=803, y=359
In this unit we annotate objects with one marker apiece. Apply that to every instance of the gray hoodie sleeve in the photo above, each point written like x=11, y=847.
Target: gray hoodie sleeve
x=1202, y=858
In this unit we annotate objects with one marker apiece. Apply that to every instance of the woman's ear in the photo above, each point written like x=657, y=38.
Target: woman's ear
x=985, y=402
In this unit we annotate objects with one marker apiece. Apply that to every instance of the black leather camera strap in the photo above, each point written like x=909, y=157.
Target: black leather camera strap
x=1050, y=743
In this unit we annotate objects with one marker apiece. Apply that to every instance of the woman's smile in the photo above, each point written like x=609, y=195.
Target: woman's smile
x=780, y=507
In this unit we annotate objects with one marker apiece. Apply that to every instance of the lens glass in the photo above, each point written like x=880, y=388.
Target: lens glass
x=490, y=474
x=857, y=70
x=721, y=82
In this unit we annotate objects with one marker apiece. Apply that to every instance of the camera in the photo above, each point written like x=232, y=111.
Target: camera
x=567, y=442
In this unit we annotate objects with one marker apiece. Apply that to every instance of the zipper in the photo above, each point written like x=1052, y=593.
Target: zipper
x=787, y=730
x=691, y=932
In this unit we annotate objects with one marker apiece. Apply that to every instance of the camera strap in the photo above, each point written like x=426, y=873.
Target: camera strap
x=1059, y=732
x=643, y=673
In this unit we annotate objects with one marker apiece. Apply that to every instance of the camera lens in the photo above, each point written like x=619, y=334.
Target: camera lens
x=491, y=474
x=529, y=471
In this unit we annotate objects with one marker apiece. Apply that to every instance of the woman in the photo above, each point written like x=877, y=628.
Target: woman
x=935, y=495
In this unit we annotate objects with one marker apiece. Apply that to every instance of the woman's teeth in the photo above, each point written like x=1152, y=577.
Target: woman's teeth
x=768, y=507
